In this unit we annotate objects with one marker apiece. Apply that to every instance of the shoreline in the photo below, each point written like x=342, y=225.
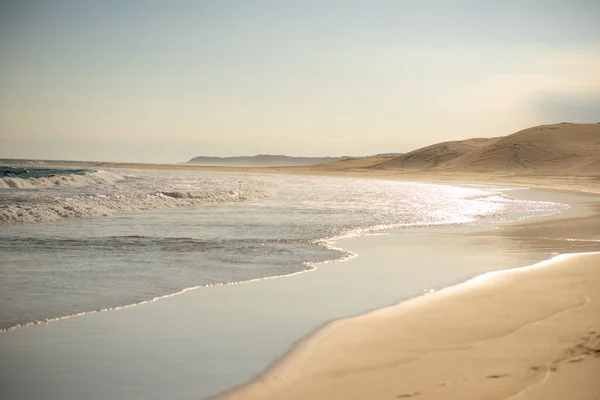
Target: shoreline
x=145, y=312
x=317, y=366
x=327, y=242
x=330, y=363
x=363, y=169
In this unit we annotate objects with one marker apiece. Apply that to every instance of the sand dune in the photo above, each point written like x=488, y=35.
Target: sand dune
x=561, y=149
x=436, y=155
x=356, y=162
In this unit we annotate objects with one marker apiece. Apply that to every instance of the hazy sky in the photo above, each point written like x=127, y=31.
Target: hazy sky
x=165, y=81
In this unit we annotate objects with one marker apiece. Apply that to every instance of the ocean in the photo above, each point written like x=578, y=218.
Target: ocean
x=75, y=241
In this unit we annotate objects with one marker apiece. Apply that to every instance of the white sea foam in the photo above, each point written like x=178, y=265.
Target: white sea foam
x=87, y=206
x=91, y=178
x=100, y=193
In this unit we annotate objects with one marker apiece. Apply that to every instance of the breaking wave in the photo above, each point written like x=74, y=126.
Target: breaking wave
x=88, y=206
x=22, y=178
x=51, y=194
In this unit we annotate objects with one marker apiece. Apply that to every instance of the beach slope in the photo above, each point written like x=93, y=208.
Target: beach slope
x=531, y=333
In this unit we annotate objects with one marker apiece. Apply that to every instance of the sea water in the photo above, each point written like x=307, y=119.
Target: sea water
x=81, y=240
x=77, y=241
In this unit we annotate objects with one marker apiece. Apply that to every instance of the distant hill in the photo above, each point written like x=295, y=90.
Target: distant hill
x=561, y=149
x=263, y=160
x=386, y=155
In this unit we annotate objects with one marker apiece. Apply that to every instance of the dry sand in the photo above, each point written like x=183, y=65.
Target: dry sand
x=532, y=333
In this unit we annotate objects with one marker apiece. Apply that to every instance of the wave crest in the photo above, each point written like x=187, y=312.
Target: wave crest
x=89, y=206
x=91, y=178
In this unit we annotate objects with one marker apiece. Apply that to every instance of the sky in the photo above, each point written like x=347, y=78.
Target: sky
x=165, y=81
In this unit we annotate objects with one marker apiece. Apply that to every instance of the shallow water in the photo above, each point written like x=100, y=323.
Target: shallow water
x=210, y=229
x=205, y=341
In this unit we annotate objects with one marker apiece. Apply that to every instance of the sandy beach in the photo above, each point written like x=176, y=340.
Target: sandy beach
x=527, y=333
x=524, y=333
x=299, y=200
x=169, y=348
x=532, y=333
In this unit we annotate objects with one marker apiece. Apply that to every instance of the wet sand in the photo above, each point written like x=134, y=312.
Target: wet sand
x=532, y=333
x=529, y=333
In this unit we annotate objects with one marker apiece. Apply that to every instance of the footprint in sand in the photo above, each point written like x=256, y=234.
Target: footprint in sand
x=497, y=376
x=407, y=395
